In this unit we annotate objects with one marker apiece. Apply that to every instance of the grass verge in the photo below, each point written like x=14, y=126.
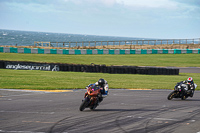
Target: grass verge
x=176, y=60
x=48, y=80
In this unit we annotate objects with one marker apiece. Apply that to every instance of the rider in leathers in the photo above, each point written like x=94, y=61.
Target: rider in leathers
x=191, y=87
x=103, y=84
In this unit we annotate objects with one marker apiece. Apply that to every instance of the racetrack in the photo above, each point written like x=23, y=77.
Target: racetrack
x=123, y=111
x=188, y=69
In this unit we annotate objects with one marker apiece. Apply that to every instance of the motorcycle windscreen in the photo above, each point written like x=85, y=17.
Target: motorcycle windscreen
x=94, y=88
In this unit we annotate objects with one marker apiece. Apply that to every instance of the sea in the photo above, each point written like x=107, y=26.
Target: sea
x=27, y=38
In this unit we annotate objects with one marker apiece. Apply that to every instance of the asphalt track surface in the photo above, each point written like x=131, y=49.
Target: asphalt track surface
x=188, y=69
x=123, y=111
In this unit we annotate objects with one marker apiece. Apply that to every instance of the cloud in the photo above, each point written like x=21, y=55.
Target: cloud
x=108, y=2
x=105, y=17
x=148, y=3
x=189, y=2
x=131, y=3
x=134, y=4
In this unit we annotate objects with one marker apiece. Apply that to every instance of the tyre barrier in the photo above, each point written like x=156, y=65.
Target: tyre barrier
x=21, y=65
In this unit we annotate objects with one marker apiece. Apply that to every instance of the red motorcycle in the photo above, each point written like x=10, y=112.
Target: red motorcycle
x=91, y=98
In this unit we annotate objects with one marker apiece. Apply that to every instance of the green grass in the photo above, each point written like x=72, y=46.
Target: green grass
x=32, y=79
x=178, y=60
x=48, y=80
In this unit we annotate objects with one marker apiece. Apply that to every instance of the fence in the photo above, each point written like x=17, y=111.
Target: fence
x=97, y=51
x=90, y=44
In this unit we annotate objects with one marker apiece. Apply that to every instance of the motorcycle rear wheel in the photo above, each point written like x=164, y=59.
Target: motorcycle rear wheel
x=93, y=107
x=171, y=95
x=183, y=97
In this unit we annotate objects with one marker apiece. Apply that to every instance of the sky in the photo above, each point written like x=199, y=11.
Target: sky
x=163, y=19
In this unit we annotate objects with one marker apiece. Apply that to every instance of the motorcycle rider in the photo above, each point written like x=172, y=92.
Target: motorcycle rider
x=103, y=84
x=191, y=88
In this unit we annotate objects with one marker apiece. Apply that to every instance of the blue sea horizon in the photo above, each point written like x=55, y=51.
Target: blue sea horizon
x=27, y=38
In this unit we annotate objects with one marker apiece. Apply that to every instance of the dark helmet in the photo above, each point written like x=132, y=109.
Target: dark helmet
x=101, y=82
x=190, y=80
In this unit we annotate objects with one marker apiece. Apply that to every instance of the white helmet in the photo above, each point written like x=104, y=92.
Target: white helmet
x=190, y=80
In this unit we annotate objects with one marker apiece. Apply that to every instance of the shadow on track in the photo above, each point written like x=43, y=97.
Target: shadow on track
x=120, y=110
x=192, y=99
x=187, y=100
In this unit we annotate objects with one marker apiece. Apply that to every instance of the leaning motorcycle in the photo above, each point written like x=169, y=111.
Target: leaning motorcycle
x=91, y=98
x=180, y=91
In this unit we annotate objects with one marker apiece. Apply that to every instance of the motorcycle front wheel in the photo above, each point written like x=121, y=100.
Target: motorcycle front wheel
x=171, y=95
x=83, y=104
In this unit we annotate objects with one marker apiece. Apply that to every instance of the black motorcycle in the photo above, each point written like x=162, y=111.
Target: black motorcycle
x=181, y=91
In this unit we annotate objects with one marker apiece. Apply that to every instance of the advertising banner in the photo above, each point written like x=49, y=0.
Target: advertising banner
x=31, y=66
